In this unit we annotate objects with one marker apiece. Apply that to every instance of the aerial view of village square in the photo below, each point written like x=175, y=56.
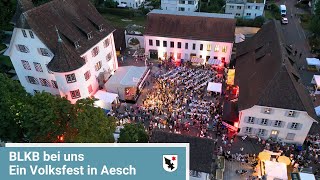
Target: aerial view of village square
x=238, y=80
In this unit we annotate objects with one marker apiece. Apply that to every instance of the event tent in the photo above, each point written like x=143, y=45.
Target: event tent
x=275, y=170
x=313, y=62
x=195, y=59
x=126, y=77
x=213, y=61
x=105, y=99
x=215, y=87
x=316, y=81
x=317, y=110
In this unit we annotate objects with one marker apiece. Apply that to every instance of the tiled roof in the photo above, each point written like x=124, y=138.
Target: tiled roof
x=266, y=73
x=18, y=19
x=201, y=149
x=190, y=27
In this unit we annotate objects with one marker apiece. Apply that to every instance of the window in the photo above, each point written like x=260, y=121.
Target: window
x=171, y=44
x=290, y=136
x=101, y=28
x=257, y=7
x=95, y=51
x=201, y=47
x=248, y=130
x=38, y=67
x=238, y=7
x=54, y=84
x=294, y=125
x=24, y=33
x=251, y=120
x=291, y=113
x=36, y=91
x=231, y=7
x=178, y=55
x=89, y=35
x=98, y=66
x=31, y=34
x=181, y=9
x=106, y=42
x=264, y=121
x=90, y=89
x=44, y=52
x=224, y=49
x=157, y=43
x=50, y=72
x=44, y=82
x=216, y=48
x=248, y=14
x=23, y=48
x=186, y=45
x=71, y=78
x=26, y=65
x=75, y=94
x=191, y=2
x=200, y=56
x=179, y=45
x=109, y=56
x=215, y=57
x=164, y=43
x=261, y=132
x=277, y=123
x=249, y=7
x=267, y=110
x=32, y=80
x=195, y=174
x=193, y=46
x=87, y=75
x=150, y=42
x=237, y=14
x=274, y=132
x=76, y=44
x=208, y=47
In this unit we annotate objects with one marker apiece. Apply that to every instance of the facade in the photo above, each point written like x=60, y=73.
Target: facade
x=135, y=4
x=202, y=159
x=273, y=103
x=172, y=35
x=53, y=52
x=180, y=5
x=248, y=9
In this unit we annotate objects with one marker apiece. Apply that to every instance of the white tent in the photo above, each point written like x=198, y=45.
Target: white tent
x=213, y=61
x=105, y=99
x=313, y=62
x=197, y=60
x=215, y=87
x=275, y=170
x=317, y=110
x=316, y=81
x=306, y=176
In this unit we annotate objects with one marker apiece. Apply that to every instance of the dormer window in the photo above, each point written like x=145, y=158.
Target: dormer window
x=89, y=35
x=101, y=28
x=267, y=110
x=291, y=113
x=76, y=44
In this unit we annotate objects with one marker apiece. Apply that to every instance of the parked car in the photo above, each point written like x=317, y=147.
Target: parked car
x=284, y=20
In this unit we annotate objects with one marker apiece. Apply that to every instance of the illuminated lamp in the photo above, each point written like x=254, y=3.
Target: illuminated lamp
x=236, y=124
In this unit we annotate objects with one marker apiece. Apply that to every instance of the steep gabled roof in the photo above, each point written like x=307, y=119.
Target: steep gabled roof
x=266, y=73
x=18, y=19
x=201, y=149
x=196, y=26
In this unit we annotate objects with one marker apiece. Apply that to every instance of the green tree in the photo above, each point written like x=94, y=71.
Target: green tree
x=133, y=133
x=91, y=124
x=46, y=117
x=13, y=100
x=110, y=4
x=7, y=9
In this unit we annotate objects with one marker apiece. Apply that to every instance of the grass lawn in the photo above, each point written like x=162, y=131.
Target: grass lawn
x=118, y=23
x=268, y=14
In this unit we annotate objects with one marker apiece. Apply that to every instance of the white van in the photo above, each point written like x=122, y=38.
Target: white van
x=283, y=10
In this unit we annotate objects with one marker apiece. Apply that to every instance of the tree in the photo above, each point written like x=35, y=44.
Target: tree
x=317, y=8
x=91, y=125
x=7, y=9
x=46, y=117
x=133, y=133
x=110, y=4
x=13, y=100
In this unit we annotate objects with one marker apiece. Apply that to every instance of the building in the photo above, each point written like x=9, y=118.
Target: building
x=273, y=102
x=173, y=35
x=202, y=158
x=64, y=47
x=135, y=4
x=180, y=5
x=248, y=9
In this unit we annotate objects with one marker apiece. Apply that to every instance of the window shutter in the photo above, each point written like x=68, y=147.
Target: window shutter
x=270, y=122
x=246, y=119
x=299, y=126
x=283, y=124
x=289, y=125
x=265, y=132
x=27, y=79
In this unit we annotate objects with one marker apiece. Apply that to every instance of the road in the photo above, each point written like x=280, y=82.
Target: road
x=296, y=36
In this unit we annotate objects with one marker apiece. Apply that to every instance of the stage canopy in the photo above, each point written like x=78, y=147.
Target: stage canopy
x=275, y=170
x=197, y=60
x=215, y=87
x=105, y=99
x=213, y=61
x=313, y=62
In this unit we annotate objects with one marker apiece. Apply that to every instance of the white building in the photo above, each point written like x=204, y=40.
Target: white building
x=64, y=47
x=180, y=5
x=183, y=35
x=272, y=102
x=135, y=4
x=248, y=9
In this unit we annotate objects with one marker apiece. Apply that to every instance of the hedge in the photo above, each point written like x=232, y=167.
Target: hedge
x=126, y=13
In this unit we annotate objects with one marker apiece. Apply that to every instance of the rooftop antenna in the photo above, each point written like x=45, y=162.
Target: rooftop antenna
x=59, y=38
